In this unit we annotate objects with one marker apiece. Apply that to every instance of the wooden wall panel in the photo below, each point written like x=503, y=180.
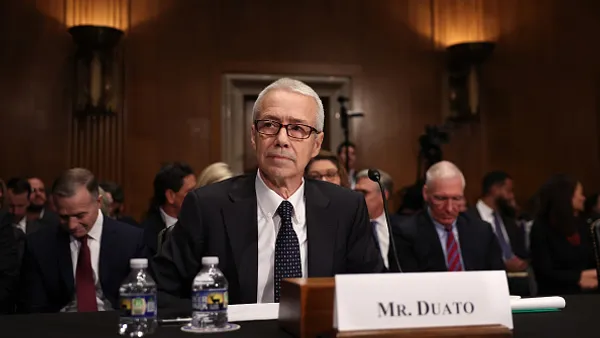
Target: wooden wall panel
x=34, y=116
x=539, y=90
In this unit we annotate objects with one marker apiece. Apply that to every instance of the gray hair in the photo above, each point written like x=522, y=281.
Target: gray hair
x=443, y=170
x=69, y=181
x=385, y=179
x=294, y=86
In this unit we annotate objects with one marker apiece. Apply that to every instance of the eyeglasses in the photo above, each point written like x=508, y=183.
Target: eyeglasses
x=441, y=200
x=293, y=130
x=329, y=175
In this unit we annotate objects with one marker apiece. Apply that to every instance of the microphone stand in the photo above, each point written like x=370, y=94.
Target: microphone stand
x=345, y=116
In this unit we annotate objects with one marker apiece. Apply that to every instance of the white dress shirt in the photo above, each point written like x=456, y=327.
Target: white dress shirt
x=169, y=220
x=93, y=240
x=269, y=223
x=383, y=237
x=22, y=224
x=487, y=214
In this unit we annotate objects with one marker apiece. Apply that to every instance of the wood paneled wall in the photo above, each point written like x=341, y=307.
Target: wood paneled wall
x=540, y=89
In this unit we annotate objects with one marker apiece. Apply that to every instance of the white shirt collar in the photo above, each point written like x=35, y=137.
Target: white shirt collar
x=268, y=200
x=381, y=219
x=169, y=220
x=484, y=209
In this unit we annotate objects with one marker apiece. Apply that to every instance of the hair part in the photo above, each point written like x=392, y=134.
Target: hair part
x=443, y=170
x=294, y=86
x=385, y=179
x=67, y=184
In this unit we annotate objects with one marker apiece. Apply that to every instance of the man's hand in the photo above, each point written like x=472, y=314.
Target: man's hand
x=515, y=264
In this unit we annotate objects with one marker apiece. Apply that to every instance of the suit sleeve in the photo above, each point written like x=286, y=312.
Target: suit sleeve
x=178, y=262
x=9, y=267
x=362, y=253
x=541, y=260
x=32, y=295
x=405, y=244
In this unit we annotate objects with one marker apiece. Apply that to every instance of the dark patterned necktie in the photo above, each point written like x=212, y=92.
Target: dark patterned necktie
x=287, y=249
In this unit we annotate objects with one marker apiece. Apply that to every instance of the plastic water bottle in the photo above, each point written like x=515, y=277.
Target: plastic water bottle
x=137, y=297
x=209, y=296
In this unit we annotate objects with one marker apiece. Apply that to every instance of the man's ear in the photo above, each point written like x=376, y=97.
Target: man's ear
x=253, y=137
x=170, y=196
x=318, y=142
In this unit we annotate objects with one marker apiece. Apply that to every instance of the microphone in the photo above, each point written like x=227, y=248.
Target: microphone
x=375, y=176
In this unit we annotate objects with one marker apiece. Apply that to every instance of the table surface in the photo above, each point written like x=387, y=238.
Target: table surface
x=578, y=319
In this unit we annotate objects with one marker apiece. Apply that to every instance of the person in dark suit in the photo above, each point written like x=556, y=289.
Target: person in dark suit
x=441, y=238
x=18, y=193
x=562, y=253
x=272, y=224
x=37, y=210
x=495, y=207
x=171, y=184
x=80, y=264
x=9, y=263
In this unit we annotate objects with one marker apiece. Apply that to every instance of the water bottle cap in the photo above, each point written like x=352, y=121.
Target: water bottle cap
x=210, y=260
x=138, y=263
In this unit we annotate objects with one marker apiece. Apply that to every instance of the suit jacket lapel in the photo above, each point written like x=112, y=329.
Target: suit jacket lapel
x=436, y=253
x=108, y=254
x=321, y=230
x=65, y=262
x=466, y=247
x=240, y=217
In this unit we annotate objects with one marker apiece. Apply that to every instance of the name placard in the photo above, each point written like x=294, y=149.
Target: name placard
x=421, y=300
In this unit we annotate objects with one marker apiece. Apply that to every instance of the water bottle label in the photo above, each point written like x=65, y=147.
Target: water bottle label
x=139, y=306
x=213, y=300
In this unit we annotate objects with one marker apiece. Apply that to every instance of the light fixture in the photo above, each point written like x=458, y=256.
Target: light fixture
x=97, y=70
x=464, y=61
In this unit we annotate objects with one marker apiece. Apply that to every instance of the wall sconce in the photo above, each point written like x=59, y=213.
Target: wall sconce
x=464, y=63
x=97, y=70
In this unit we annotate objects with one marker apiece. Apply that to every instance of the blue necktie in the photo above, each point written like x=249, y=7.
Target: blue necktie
x=374, y=228
x=287, y=249
x=506, y=249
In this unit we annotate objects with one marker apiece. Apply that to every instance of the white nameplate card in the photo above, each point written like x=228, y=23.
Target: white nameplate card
x=421, y=300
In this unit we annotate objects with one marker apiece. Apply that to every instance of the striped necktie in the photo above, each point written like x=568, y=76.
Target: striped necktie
x=452, y=254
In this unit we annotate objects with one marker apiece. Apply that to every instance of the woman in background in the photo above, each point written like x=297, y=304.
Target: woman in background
x=326, y=167
x=214, y=173
x=562, y=253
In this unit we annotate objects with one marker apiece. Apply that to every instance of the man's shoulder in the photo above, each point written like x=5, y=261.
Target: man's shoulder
x=474, y=223
x=334, y=192
x=125, y=230
x=223, y=189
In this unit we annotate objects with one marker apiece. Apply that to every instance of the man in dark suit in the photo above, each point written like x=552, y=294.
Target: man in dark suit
x=171, y=184
x=271, y=224
x=37, y=210
x=118, y=203
x=9, y=264
x=442, y=239
x=495, y=207
x=18, y=193
x=79, y=264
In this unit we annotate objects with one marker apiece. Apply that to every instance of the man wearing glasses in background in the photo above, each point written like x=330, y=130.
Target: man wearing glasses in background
x=260, y=225
x=441, y=238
